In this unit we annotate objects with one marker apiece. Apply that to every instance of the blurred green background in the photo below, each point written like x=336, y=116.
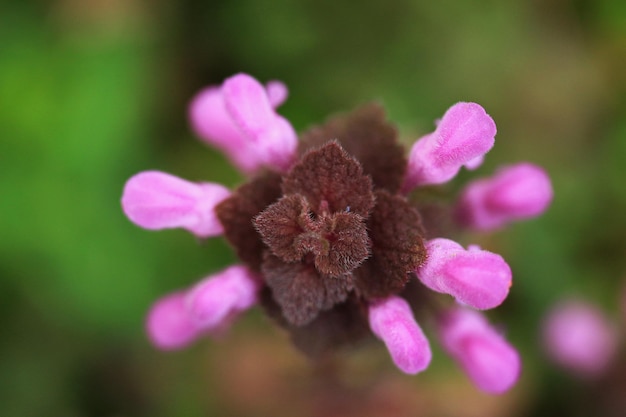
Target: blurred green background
x=94, y=91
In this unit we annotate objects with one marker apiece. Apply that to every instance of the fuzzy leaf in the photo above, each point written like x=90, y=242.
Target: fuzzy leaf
x=397, y=247
x=330, y=175
x=236, y=214
x=301, y=291
x=366, y=135
x=348, y=245
x=280, y=225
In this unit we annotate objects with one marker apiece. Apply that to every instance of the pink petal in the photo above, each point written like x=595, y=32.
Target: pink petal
x=475, y=277
x=464, y=134
x=486, y=357
x=516, y=192
x=214, y=301
x=169, y=325
x=247, y=103
x=156, y=200
x=578, y=337
x=392, y=321
x=215, y=126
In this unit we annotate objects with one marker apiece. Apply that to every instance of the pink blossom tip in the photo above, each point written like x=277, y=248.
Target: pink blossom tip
x=216, y=300
x=155, y=200
x=462, y=137
x=169, y=324
x=392, y=321
x=239, y=119
x=475, y=277
x=579, y=338
x=491, y=363
x=516, y=192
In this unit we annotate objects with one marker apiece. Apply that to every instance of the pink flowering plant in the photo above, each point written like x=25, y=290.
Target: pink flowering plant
x=336, y=241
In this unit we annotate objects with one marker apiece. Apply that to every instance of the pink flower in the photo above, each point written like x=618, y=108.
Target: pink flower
x=239, y=119
x=475, y=277
x=178, y=319
x=516, y=192
x=156, y=200
x=462, y=137
x=578, y=337
x=392, y=321
x=486, y=357
x=219, y=297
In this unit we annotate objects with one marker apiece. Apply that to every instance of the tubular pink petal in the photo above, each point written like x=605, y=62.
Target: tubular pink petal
x=578, y=337
x=516, y=192
x=277, y=92
x=214, y=301
x=247, y=103
x=392, y=321
x=278, y=145
x=271, y=135
x=211, y=121
x=478, y=278
x=486, y=357
x=155, y=200
x=169, y=325
x=464, y=134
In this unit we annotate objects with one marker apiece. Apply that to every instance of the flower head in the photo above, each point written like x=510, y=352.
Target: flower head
x=332, y=241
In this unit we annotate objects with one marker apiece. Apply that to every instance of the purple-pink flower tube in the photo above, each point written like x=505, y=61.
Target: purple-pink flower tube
x=392, y=321
x=516, y=192
x=463, y=136
x=478, y=278
x=487, y=358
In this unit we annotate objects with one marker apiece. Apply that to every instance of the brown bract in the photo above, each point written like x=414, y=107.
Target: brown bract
x=333, y=233
x=236, y=213
x=367, y=136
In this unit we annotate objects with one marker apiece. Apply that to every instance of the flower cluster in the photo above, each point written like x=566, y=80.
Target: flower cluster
x=335, y=238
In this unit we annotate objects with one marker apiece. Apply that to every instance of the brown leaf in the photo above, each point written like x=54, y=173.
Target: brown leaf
x=397, y=247
x=282, y=223
x=348, y=244
x=236, y=214
x=366, y=135
x=301, y=291
x=331, y=181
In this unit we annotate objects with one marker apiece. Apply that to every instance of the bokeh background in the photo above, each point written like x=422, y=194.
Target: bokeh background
x=93, y=91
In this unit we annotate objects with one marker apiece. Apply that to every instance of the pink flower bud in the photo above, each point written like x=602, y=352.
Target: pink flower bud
x=156, y=200
x=578, y=337
x=392, y=321
x=475, y=277
x=239, y=118
x=169, y=324
x=464, y=134
x=516, y=192
x=485, y=356
x=215, y=300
